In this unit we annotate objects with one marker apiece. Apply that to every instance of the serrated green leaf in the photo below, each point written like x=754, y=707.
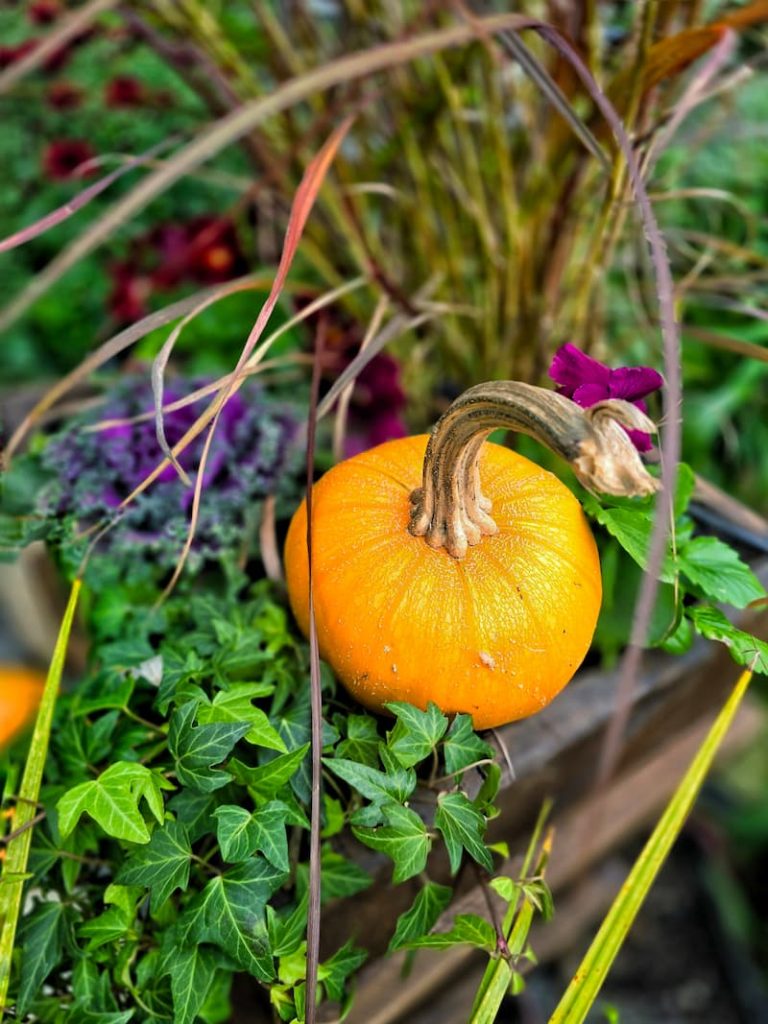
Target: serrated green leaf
x=745, y=649
x=162, y=866
x=197, y=749
x=371, y=783
x=416, y=733
x=287, y=930
x=268, y=779
x=340, y=877
x=108, y=927
x=42, y=946
x=334, y=972
x=422, y=916
x=463, y=747
x=463, y=828
x=229, y=913
x=362, y=741
x=235, y=705
x=404, y=839
x=468, y=929
x=191, y=970
x=113, y=800
x=719, y=572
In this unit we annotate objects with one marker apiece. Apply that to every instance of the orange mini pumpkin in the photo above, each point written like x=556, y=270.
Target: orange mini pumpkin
x=419, y=595
x=20, y=692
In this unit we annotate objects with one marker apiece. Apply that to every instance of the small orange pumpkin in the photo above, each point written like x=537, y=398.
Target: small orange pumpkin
x=20, y=692
x=419, y=595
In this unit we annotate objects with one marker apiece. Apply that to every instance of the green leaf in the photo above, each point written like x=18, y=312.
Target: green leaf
x=719, y=572
x=229, y=913
x=196, y=750
x=429, y=904
x=745, y=649
x=235, y=705
x=113, y=800
x=416, y=733
x=108, y=927
x=334, y=972
x=287, y=930
x=371, y=783
x=362, y=742
x=191, y=970
x=686, y=484
x=463, y=746
x=468, y=929
x=268, y=779
x=463, y=828
x=404, y=838
x=340, y=877
x=591, y=973
x=162, y=866
x=240, y=833
x=42, y=945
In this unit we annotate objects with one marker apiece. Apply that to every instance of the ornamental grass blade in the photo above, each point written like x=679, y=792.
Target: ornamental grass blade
x=233, y=126
x=591, y=973
x=304, y=200
x=20, y=839
x=64, y=212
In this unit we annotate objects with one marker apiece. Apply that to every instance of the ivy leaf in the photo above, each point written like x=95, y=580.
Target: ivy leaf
x=373, y=784
x=404, y=838
x=362, y=742
x=468, y=929
x=463, y=827
x=287, y=930
x=229, y=913
x=463, y=746
x=268, y=779
x=334, y=972
x=718, y=570
x=416, y=733
x=113, y=924
x=162, y=866
x=235, y=705
x=340, y=877
x=745, y=649
x=196, y=750
x=234, y=831
x=113, y=800
x=429, y=904
x=191, y=970
x=42, y=945
x=195, y=810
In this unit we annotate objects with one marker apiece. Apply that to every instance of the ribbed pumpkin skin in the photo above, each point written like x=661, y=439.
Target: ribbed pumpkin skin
x=20, y=692
x=496, y=634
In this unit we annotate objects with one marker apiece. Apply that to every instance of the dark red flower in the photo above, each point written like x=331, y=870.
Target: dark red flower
x=64, y=158
x=43, y=12
x=205, y=249
x=130, y=291
x=10, y=54
x=64, y=95
x=587, y=381
x=125, y=91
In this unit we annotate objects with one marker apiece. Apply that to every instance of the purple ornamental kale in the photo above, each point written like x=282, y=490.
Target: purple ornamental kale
x=253, y=454
x=587, y=381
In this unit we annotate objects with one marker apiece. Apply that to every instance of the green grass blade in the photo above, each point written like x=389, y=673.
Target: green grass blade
x=17, y=854
x=591, y=973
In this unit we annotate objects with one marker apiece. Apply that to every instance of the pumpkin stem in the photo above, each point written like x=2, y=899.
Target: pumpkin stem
x=449, y=509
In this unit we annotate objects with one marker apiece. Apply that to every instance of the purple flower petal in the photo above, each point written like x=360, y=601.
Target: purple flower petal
x=633, y=382
x=588, y=394
x=641, y=441
x=571, y=368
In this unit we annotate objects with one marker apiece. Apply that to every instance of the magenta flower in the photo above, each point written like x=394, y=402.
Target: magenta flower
x=587, y=381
